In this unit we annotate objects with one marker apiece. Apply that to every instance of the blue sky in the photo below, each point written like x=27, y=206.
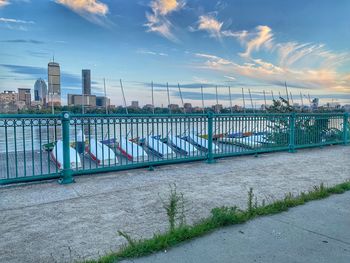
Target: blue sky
x=252, y=44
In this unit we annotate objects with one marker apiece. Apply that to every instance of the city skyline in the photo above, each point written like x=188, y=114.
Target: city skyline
x=242, y=44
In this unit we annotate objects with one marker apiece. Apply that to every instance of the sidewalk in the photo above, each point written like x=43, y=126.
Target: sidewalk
x=48, y=222
x=316, y=232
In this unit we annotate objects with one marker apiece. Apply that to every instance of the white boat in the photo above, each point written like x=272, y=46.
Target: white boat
x=101, y=153
x=158, y=147
x=251, y=142
x=131, y=150
x=182, y=145
x=201, y=143
x=57, y=156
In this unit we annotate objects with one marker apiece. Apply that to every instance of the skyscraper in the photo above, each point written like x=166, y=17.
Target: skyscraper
x=54, y=83
x=86, y=75
x=40, y=91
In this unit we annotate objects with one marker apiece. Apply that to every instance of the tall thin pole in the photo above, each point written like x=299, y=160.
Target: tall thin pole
x=285, y=84
x=152, y=97
x=243, y=100
x=273, y=97
x=202, y=99
x=104, y=87
x=229, y=92
x=291, y=98
x=216, y=92
x=182, y=101
x=251, y=100
x=52, y=107
x=265, y=100
x=121, y=86
x=167, y=88
x=302, y=100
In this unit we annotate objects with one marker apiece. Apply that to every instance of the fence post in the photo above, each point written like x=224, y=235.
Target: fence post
x=67, y=173
x=346, y=128
x=292, y=119
x=210, y=139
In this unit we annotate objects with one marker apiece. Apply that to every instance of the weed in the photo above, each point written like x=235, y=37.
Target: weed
x=221, y=216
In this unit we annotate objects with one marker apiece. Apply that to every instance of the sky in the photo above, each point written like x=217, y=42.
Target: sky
x=254, y=45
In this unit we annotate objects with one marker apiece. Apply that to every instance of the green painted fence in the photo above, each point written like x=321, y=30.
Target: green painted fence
x=39, y=147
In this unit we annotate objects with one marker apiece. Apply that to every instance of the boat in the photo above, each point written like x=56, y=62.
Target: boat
x=159, y=148
x=181, y=145
x=131, y=150
x=101, y=153
x=201, y=143
x=57, y=156
x=250, y=142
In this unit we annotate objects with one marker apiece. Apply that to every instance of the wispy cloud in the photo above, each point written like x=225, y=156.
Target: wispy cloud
x=211, y=25
x=158, y=21
x=93, y=10
x=20, y=41
x=15, y=24
x=4, y=3
x=149, y=52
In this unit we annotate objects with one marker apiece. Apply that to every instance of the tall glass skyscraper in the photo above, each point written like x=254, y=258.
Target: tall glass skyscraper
x=40, y=91
x=86, y=75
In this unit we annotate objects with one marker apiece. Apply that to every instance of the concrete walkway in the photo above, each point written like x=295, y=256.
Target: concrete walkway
x=316, y=232
x=48, y=222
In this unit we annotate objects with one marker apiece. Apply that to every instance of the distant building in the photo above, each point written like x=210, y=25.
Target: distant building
x=346, y=107
x=188, y=107
x=148, y=107
x=135, y=104
x=314, y=104
x=86, y=76
x=217, y=108
x=173, y=106
x=77, y=100
x=54, y=83
x=40, y=91
x=24, y=95
x=8, y=96
x=102, y=101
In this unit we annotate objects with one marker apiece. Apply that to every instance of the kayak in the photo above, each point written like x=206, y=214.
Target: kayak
x=101, y=153
x=181, y=145
x=57, y=156
x=132, y=151
x=158, y=147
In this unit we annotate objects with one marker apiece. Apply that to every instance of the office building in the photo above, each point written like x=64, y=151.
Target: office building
x=25, y=96
x=86, y=77
x=40, y=91
x=54, y=83
x=102, y=101
x=135, y=104
x=77, y=100
x=8, y=96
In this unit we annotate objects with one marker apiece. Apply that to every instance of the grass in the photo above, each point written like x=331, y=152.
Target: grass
x=220, y=217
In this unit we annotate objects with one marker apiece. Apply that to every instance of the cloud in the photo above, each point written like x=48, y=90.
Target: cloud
x=269, y=73
x=158, y=21
x=262, y=37
x=211, y=25
x=4, y=3
x=92, y=10
x=15, y=24
x=148, y=52
x=19, y=41
x=67, y=79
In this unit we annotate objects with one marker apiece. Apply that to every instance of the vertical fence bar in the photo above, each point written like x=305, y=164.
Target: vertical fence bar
x=346, y=128
x=210, y=138
x=292, y=119
x=67, y=173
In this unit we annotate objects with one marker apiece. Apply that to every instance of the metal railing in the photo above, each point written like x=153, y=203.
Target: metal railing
x=38, y=147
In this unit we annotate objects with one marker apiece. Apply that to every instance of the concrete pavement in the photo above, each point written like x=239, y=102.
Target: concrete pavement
x=316, y=232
